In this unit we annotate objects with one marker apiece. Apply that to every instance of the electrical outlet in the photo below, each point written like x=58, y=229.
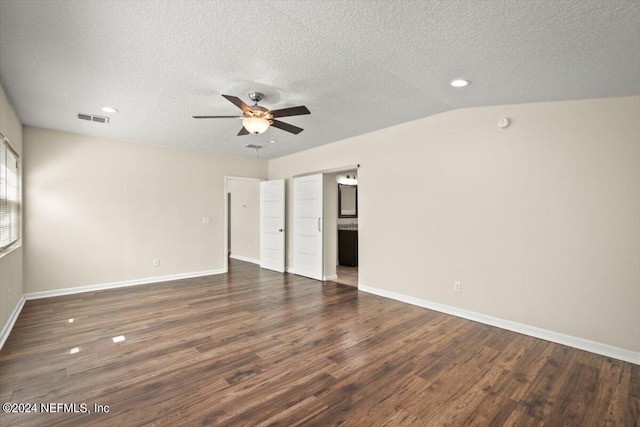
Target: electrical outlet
x=156, y=262
x=457, y=287
x=205, y=220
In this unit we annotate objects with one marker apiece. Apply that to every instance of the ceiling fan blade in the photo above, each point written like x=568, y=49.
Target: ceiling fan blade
x=287, y=127
x=238, y=103
x=217, y=117
x=292, y=111
x=243, y=131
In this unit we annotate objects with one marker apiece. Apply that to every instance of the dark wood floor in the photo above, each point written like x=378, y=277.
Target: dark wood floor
x=258, y=348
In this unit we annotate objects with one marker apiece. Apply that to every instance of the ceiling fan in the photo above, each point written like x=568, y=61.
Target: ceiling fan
x=257, y=119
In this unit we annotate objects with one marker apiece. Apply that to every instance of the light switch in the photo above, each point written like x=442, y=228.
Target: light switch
x=205, y=220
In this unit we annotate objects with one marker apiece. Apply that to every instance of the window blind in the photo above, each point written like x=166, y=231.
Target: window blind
x=9, y=195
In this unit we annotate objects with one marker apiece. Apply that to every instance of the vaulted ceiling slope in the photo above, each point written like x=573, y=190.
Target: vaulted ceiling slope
x=358, y=66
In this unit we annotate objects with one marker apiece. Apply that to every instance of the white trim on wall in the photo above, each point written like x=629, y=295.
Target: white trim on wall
x=244, y=258
x=6, y=330
x=122, y=284
x=545, y=334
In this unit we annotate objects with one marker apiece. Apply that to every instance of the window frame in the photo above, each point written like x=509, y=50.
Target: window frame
x=13, y=244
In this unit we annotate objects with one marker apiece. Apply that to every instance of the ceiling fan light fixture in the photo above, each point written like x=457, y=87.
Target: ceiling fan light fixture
x=257, y=119
x=255, y=125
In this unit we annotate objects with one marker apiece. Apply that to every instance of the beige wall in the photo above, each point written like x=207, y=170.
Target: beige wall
x=540, y=221
x=99, y=211
x=11, y=278
x=244, y=221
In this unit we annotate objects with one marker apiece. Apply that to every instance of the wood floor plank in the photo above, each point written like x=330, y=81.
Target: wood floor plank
x=577, y=395
x=546, y=386
x=258, y=348
x=633, y=396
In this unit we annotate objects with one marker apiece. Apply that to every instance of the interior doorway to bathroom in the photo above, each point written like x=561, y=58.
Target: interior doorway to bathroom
x=341, y=227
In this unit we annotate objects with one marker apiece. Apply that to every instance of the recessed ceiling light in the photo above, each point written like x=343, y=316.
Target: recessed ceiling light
x=109, y=110
x=272, y=141
x=460, y=83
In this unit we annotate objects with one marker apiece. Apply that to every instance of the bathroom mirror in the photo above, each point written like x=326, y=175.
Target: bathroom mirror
x=347, y=201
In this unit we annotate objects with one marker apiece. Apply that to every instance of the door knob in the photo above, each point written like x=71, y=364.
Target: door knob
x=280, y=230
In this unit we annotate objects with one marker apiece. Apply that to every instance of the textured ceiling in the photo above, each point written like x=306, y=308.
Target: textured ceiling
x=357, y=65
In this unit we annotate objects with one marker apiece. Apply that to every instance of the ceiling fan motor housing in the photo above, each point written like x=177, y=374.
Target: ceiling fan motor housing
x=256, y=96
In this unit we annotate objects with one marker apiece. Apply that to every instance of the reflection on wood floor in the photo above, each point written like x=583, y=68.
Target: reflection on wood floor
x=347, y=275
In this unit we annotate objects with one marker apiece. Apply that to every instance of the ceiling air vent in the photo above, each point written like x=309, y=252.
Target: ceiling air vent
x=253, y=146
x=92, y=118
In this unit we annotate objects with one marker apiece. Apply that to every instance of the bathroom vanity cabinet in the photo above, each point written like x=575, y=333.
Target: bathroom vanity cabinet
x=348, y=247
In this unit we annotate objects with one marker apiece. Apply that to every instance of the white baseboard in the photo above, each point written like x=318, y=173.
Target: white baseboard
x=545, y=334
x=6, y=330
x=244, y=258
x=122, y=284
x=290, y=270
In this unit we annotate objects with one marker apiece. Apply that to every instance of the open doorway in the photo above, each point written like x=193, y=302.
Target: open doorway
x=341, y=227
x=242, y=219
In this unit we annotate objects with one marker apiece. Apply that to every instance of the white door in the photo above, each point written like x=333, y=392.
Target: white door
x=272, y=225
x=307, y=226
